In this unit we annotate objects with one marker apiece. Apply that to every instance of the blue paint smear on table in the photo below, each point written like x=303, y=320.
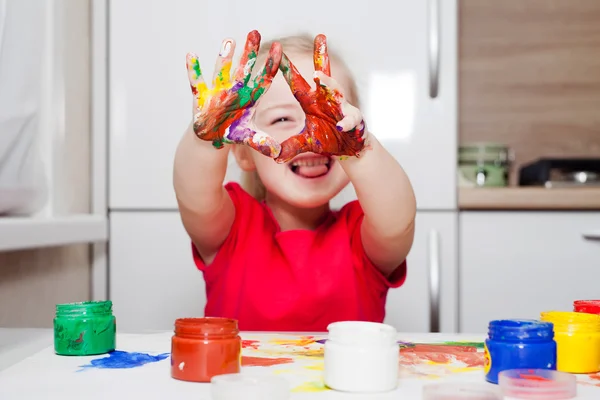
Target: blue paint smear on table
x=123, y=359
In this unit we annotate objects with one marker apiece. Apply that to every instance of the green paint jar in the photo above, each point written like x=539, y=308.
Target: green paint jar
x=84, y=329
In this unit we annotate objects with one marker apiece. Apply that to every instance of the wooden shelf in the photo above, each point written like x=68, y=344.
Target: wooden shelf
x=18, y=233
x=528, y=198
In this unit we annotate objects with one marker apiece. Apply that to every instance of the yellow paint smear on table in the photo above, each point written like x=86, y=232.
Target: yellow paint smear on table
x=303, y=341
x=316, y=367
x=313, y=386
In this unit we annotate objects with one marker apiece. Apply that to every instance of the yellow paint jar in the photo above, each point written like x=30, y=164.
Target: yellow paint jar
x=577, y=337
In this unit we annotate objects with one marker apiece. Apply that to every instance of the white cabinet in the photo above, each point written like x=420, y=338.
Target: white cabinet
x=153, y=279
x=517, y=264
x=429, y=295
x=402, y=53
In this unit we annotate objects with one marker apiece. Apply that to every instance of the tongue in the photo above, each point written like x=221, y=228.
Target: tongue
x=312, y=171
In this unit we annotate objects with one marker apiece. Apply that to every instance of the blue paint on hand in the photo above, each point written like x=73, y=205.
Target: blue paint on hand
x=123, y=359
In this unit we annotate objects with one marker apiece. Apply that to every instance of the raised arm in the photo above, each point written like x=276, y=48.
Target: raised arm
x=205, y=207
x=222, y=115
x=388, y=201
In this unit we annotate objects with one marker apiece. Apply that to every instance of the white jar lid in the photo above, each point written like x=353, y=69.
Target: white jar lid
x=249, y=387
x=544, y=384
x=362, y=333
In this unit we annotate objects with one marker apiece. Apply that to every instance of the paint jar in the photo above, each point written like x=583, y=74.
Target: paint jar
x=537, y=384
x=361, y=357
x=587, y=306
x=461, y=391
x=249, y=387
x=202, y=348
x=515, y=343
x=577, y=337
x=84, y=329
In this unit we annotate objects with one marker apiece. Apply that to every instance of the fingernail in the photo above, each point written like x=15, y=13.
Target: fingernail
x=225, y=49
x=339, y=128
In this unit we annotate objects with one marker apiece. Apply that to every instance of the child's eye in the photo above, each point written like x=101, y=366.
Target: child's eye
x=282, y=119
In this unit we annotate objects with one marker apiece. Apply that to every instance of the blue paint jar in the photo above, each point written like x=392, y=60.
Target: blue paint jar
x=518, y=343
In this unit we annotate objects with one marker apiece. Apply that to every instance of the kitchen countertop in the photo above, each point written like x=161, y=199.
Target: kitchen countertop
x=529, y=198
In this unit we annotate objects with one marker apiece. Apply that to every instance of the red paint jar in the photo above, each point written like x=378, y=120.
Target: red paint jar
x=587, y=306
x=205, y=347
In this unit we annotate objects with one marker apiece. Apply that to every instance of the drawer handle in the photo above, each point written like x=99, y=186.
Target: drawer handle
x=434, y=281
x=592, y=235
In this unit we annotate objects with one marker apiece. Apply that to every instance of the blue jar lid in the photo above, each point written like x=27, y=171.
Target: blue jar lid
x=520, y=330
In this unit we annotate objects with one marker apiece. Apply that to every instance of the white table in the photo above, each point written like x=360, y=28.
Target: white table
x=29, y=369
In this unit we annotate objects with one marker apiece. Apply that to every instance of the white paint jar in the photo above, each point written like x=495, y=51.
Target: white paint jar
x=361, y=357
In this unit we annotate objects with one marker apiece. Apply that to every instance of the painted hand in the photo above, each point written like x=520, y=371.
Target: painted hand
x=224, y=113
x=333, y=126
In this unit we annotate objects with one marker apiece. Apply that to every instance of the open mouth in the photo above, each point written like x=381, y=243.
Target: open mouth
x=311, y=166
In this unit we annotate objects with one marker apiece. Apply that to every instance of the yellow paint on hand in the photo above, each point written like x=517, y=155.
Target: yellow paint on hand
x=223, y=80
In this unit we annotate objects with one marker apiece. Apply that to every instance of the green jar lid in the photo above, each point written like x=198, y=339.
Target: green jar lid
x=483, y=152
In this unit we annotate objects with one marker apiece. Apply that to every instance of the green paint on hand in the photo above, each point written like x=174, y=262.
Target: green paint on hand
x=218, y=143
x=244, y=96
x=197, y=69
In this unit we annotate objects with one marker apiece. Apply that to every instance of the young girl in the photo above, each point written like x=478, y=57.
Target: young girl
x=274, y=255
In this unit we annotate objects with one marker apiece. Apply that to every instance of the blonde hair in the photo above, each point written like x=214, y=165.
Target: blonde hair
x=297, y=44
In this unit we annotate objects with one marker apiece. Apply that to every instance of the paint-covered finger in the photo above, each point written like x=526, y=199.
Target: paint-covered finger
x=241, y=132
x=222, y=73
x=353, y=118
x=292, y=76
x=293, y=146
x=320, y=55
x=195, y=75
x=265, y=144
x=244, y=70
x=265, y=77
x=327, y=82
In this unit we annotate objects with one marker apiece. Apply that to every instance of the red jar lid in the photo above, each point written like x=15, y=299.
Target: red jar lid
x=207, y=328
x=587, y=306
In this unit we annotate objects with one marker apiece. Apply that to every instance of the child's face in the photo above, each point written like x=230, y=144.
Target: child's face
x=308, y=180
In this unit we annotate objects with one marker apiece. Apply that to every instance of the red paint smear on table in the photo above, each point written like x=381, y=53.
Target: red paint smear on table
x=264, y=361
x=253, y=344
x=441, y=354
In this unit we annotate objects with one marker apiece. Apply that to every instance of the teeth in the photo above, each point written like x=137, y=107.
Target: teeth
x=310, y=163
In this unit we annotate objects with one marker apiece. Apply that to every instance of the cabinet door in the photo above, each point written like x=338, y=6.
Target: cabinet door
x=398, y=52
x=153, y=279
x=430, y=291
x=517, y=264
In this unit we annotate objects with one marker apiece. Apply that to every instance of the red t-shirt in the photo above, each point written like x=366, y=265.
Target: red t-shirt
x=299, y=280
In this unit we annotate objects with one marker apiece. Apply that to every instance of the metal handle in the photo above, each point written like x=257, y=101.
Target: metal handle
x=591, y=235
x=434, y=47
x=434, y=281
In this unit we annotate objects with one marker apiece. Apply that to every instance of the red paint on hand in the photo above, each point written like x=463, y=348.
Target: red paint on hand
x=324, y=108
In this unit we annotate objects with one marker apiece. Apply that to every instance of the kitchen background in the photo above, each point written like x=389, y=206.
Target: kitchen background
x=490, y=87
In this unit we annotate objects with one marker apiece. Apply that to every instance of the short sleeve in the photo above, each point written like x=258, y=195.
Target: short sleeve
x=354, y=216
x=244, y=205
